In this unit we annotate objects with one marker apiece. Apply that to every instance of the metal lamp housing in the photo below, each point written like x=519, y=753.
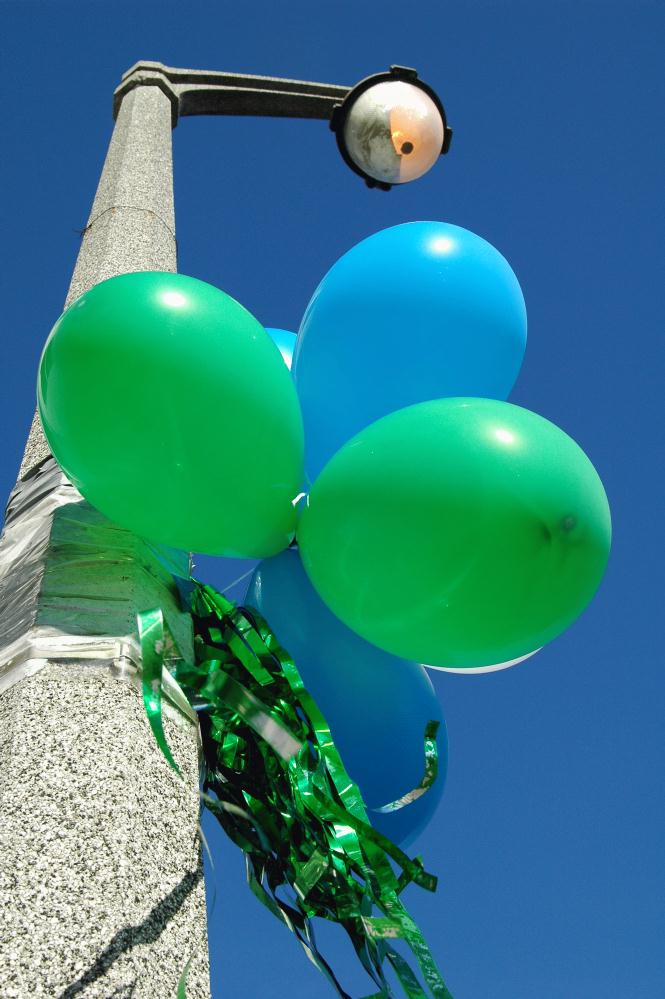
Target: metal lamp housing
x=391, y=128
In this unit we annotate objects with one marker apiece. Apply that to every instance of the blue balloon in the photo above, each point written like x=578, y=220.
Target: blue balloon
x=230, y=575
x=286, y=341
x=377, y=706
x=420, y=311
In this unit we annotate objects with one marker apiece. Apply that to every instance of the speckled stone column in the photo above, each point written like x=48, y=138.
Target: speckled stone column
x=101, y=887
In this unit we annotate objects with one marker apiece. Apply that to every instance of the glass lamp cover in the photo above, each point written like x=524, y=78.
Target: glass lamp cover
x=394, y=132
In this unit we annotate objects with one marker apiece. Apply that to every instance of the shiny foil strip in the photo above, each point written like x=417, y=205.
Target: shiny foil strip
x=71, y=583
x=277, y=784
x=431, y=770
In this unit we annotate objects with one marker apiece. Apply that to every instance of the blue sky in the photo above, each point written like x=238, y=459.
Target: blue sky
x=548, y=841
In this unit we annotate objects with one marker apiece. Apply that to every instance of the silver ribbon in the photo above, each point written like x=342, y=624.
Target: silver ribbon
x=71, y=583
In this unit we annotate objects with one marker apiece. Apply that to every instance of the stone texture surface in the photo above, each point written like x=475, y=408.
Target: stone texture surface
x=101, y=885
x=36, y=448
x=132, y=222
x=101, y=890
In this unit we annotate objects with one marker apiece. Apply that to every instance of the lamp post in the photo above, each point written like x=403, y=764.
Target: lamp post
x=101, y=886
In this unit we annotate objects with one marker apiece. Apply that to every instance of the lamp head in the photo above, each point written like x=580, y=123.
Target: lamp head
x=391, y=128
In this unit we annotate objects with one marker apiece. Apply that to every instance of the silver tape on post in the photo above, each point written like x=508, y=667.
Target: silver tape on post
x=71, y=583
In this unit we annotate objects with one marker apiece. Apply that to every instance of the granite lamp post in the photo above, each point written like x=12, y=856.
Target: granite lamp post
x=101, y=888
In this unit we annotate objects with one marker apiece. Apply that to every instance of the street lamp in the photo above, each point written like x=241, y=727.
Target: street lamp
x=391, y=128
x=100, y=853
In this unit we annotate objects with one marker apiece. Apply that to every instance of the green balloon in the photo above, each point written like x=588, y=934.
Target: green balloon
x=169, y=407
x=457, y=532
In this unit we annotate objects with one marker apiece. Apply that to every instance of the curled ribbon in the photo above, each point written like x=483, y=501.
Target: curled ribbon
x=431, y=770
x=277, y=784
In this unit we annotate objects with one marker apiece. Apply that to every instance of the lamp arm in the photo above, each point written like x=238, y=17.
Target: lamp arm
x=198, y=92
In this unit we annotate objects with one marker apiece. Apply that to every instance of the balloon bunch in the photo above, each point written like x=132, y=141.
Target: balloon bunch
x=441, y=525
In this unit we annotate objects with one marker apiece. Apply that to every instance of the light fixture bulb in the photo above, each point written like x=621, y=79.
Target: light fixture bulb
x=394, y=132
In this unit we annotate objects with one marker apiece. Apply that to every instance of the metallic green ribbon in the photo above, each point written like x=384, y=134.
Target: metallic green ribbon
x=151, y=636
x=431, y=770
x=181, y=992
x=276, y=783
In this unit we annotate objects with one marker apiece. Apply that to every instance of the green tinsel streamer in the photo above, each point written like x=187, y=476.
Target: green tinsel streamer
x=275, y=781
